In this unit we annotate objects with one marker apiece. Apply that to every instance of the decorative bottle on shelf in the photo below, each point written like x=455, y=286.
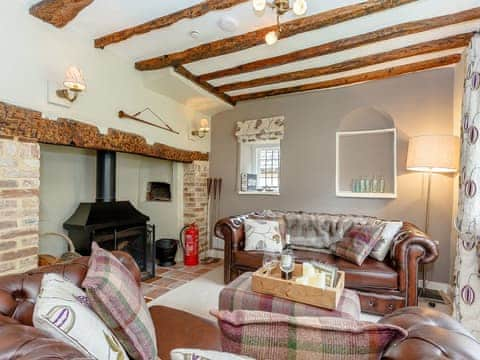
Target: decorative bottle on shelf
x=375, y=184
x=362, y=185
x=287, y=260
x=368, y=185
x=382, y=184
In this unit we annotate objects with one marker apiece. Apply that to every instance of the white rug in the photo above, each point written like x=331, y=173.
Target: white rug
x=197, y=297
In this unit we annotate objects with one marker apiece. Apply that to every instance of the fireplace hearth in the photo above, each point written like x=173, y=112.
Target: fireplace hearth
x=114, y=225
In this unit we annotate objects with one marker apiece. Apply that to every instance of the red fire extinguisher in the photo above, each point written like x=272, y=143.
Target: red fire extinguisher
x=189, y=238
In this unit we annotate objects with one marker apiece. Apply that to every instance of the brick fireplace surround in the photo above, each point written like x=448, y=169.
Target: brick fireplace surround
x=21, y=131
x=19, y=205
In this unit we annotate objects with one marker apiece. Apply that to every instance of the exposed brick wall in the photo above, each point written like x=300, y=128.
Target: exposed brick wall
x=195, y=198
x=19, y=205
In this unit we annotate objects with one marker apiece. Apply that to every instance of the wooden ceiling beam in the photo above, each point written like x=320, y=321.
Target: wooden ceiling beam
x=453, y=42
x=189, y=13
x=203, y=84
x=374, y=75
x=388, y=33
x=254, y=38
x=58, y=12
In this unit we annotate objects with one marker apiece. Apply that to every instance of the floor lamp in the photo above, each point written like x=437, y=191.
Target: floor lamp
x=432, y=154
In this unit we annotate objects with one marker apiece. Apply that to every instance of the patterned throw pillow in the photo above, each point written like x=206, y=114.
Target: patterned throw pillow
x=265, y=335
x=115, y=296
x=384, y=245
x=262, y=235
x=358, y=243
x=60, y=312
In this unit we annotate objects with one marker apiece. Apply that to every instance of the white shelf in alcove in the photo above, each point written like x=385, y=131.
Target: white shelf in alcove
x=343, y=192
x=350, y=194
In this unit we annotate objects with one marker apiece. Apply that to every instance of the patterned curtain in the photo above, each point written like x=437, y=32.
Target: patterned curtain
x=259, y=130
x=467, y=275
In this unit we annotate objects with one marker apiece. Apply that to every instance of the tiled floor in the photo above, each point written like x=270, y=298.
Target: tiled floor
x=169, y=278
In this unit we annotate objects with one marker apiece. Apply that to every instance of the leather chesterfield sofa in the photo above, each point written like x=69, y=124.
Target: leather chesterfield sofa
x=431, y=335
x=21, y=341
x=383, y=287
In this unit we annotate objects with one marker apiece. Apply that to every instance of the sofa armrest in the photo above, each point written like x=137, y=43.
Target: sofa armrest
x=232, y=231
x=411, y=248
x=432, y=335
x=25, y=342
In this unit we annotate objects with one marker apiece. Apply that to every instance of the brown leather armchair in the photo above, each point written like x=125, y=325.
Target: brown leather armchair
x=383, y=287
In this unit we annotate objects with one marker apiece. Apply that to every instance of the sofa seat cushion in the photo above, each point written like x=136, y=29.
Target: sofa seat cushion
x=372, y=274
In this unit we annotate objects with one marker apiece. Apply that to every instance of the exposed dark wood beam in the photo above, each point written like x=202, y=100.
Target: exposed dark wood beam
x=254, y=38
x=391, y=32
x=453, y=42
x=58, y=12
x=374, y=75
x=203, y=84
x=164, y=21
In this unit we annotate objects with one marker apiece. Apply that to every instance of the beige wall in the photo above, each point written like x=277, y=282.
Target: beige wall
x=420, y=103
x=67, y=177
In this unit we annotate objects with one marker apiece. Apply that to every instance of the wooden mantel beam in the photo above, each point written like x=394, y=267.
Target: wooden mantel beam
x=387, y=33
x=189, y=13
x=453, y=42
x=374, y=75
x=254, y=38
x=58, y=12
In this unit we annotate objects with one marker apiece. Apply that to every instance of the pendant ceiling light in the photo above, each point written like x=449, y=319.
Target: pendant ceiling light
x=281, y=7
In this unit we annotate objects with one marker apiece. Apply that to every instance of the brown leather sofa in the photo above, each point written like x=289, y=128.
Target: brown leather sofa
x=383, y=287
x=20, y=340
x=432, y=335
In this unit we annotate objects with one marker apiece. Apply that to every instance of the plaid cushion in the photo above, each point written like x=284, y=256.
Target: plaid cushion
x=264, y=335
x=238, y=295
x=358, y=243
x=115, y=296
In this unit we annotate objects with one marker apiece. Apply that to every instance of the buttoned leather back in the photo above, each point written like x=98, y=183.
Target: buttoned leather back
x=19, y=292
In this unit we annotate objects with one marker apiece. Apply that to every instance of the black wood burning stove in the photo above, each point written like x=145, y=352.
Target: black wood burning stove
x=114, y=225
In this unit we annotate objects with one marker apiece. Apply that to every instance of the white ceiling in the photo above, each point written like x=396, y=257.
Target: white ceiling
x=106, y=16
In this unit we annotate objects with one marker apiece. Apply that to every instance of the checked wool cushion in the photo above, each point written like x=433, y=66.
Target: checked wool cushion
x=358, y=243
x=264, y=335
x=116, y=298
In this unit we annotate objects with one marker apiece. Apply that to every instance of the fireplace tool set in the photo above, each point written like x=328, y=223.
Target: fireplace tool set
x=214, y=191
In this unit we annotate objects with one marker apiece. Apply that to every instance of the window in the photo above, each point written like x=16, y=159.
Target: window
x=268, y=168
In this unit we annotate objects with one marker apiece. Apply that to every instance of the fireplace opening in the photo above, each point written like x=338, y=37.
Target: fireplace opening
x=114, y=225
x=159, y=191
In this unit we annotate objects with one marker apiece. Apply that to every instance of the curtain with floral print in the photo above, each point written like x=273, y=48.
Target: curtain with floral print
x=467, y=264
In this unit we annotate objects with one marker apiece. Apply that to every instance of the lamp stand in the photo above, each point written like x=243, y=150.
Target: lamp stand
x=433, y=296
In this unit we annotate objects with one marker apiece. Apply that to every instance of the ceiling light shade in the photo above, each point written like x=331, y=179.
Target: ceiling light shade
x=433, y=153
x=271, y=37
x=300, y=7
x=259, y=5
x=74, y=79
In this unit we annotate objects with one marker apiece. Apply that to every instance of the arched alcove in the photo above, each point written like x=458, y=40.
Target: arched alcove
x=367, y=118
x=366, y=155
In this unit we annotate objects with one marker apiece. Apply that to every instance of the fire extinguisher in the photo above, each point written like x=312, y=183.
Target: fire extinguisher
x=189, y=238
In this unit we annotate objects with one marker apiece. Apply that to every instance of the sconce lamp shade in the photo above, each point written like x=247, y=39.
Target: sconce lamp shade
x=74, y=79
x=204, y=125
x=433, y=153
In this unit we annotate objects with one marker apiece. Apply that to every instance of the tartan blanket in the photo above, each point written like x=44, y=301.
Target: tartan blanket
x=264, y=335
x=238, y=295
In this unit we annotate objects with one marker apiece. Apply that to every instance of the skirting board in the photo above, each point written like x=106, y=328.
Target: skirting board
x=434, y=285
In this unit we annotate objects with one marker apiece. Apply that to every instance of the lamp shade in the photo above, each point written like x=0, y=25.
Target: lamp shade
x=433, y=153
x=74, y=79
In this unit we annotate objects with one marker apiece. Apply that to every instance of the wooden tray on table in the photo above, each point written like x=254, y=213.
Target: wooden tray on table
x=273, y=284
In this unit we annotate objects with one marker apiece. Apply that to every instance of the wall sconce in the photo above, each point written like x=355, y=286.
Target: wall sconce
x=74, y=84
x=203, y=130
